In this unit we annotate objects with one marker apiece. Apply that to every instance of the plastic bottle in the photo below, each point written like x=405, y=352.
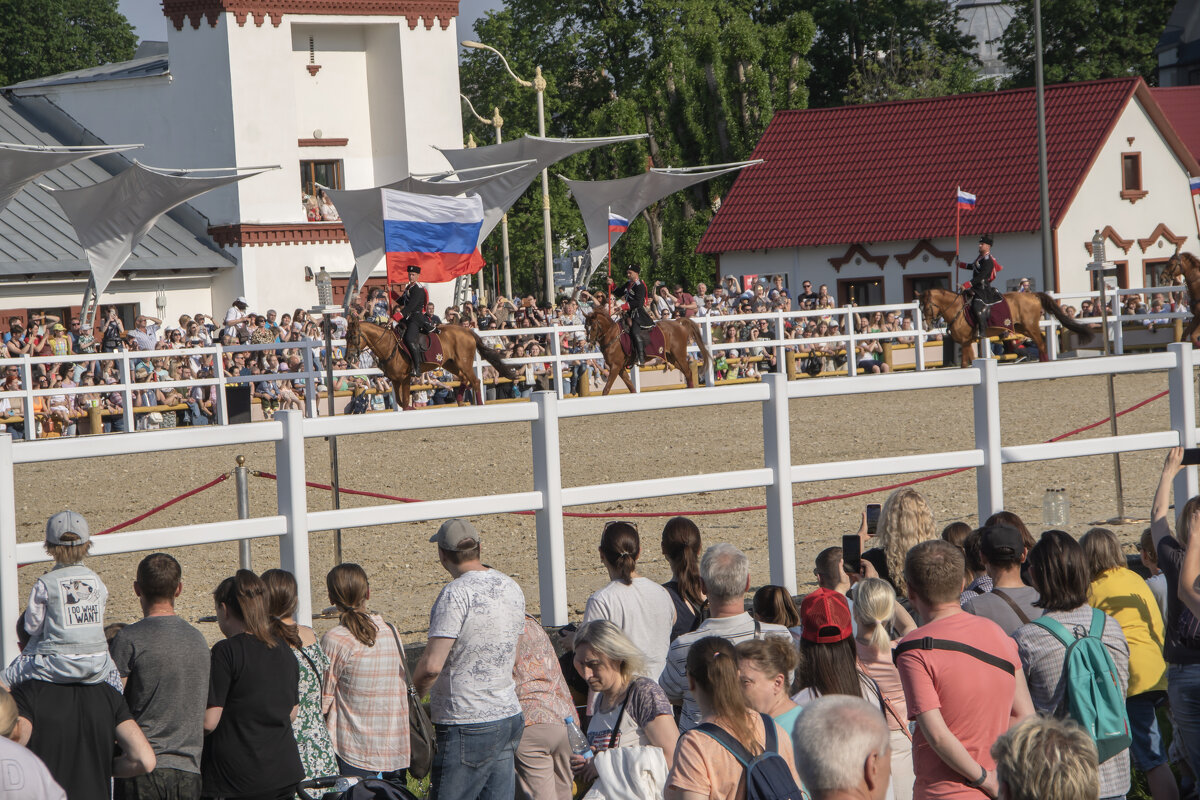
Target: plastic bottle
x=1056, y=509
x=579, y=742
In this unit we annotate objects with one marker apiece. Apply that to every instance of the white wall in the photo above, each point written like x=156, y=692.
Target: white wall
x=1099, y=204
x=432, y=108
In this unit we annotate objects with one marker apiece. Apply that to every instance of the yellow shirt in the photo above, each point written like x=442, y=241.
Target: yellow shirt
x=1124, y=596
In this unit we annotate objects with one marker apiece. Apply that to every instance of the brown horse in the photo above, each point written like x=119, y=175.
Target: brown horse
x=1188, y=266
x=1026, y=308
x=459, y=346
x=676, y=333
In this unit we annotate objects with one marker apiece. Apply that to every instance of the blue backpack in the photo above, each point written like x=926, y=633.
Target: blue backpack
x=767, y=774
x=1093, y=695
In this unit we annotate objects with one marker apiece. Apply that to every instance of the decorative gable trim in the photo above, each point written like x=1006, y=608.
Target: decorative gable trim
x=925, y=246
x=1112, y=236
x=1161, y=230
x=414, y=11
x=857, y=250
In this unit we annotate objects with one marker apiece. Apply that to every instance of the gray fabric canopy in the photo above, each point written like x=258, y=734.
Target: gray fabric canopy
x=22, y=163
x=111, y=217
x=361, y=210
x=628, y=197
x=499, y=195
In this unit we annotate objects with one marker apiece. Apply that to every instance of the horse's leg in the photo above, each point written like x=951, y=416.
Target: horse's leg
x=1034, y=332
x=613, y=372
x=625, y=377
x=1190, y=330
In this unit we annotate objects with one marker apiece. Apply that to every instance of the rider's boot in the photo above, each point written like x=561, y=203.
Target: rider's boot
x=639, y=348
x=414, y=369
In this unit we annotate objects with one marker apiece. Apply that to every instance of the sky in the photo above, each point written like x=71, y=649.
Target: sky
x=148, y=20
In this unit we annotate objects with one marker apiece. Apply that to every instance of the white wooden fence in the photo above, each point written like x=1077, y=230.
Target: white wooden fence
x=293, y=520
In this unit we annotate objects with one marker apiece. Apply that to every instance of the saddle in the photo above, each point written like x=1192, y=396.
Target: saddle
x=431, y=343
x=999, y=315
x=655, y=347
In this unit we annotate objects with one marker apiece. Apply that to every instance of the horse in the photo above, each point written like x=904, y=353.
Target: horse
x=459, y=346
x=1026, y=308
x=1188, y=266
x=676, y=334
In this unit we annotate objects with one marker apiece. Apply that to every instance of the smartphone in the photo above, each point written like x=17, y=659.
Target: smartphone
x=872, y=518
x=1191, y=456
x=852, y=553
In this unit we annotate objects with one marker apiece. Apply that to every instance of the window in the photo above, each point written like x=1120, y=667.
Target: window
x=1152, y=273
x=326, y=173
x=862, y=292
x=1131, y=177
x=1122, y=275
x=915, y=284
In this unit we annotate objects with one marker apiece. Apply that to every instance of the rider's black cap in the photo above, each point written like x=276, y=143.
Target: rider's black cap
x=414, y=268
x=986, y=239
x=634, y=268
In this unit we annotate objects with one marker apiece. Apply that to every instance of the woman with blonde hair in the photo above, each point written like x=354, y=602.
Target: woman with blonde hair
x=365, y=696
x=875, y=609
x=630, y=709
x=765, y=667
x=904, y=521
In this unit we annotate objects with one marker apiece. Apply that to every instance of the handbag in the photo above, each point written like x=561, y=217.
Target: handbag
x=420, y=727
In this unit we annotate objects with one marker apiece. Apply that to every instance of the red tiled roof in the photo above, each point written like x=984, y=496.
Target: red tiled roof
x=888, y=171
x=1181, y=104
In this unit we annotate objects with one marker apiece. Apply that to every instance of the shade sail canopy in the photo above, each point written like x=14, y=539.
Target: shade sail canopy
x=22, y=163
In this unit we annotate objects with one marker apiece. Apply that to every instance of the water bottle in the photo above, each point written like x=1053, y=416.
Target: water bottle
x=579, y=742
x=1056, y=509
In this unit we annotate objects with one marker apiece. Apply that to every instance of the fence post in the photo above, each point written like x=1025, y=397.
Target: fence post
x=292, y=499
x=777, y=456
x=1182, y=386
x=1118, y=338
x=27, y=382
x=851, y=350
x=126, y=392
x=710, y=375
x=10, y=600
x=556, y=349
x=219, y=374
x=241, y=480
x=310, y=383
x=919, y=327
x=547, y=479
x=1052, y=340
x=779, y=331
x=989, y=481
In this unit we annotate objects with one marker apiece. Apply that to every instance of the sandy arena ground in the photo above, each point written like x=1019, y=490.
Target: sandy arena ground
x=443, y=463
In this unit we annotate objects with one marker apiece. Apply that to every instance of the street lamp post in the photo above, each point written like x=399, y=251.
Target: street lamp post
x=538, y=85
x=497, y=122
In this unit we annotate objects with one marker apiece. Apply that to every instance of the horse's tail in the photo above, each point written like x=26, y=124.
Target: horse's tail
x=697, y=336
x=1051, y=307
x=493, y=357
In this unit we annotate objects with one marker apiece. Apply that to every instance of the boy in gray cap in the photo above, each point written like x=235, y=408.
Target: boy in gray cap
x=65, y=615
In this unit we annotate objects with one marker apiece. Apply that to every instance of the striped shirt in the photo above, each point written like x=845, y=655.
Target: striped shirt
x=365, y=699
x=1043, y=657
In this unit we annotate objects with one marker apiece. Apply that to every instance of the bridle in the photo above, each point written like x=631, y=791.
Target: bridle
x=359, y=337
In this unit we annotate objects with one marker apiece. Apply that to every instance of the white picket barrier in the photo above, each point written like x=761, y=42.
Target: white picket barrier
x=547, y=498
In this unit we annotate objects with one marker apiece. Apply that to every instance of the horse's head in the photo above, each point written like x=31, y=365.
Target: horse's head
x=1175, y=266
x=592, y=326
x=353, y=335
x=925, y=301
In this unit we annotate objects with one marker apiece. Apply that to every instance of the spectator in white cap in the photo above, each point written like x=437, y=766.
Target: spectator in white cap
x=467, y=668
x=237, y=316
x=65, y=615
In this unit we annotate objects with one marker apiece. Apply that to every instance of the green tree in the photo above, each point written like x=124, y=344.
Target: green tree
x=1085, y=39
x=862, y=45
x=45, y=37
x=701, y=77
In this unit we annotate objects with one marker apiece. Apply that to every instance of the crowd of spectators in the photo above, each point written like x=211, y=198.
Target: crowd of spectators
x=904, y=675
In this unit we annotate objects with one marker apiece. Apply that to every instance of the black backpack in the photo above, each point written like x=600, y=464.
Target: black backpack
x=767, y=774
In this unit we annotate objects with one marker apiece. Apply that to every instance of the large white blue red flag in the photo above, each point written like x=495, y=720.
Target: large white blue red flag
x=966, y=201
x=1194, y=184
x=617, y=223
x=438, y=234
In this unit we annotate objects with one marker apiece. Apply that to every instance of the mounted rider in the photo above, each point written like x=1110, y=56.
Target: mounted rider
x=980, y=292
x=409, y=316
x=633, y=294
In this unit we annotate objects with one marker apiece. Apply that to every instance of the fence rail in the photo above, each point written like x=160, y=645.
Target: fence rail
x=293, y=520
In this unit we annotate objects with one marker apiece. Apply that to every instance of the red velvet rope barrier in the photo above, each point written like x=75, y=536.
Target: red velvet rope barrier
x=167, y=504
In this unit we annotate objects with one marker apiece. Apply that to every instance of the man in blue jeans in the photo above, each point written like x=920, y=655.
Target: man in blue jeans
x=467, y=668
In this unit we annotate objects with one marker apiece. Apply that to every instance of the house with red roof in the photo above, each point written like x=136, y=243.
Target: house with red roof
x=862, y=198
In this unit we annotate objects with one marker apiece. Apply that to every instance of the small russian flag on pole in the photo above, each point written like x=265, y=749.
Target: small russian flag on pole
x=1194, y=184
x=966, y=200
x=617, y=223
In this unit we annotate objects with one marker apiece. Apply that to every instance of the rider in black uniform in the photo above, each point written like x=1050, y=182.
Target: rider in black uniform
x=411, y=310
x=633, y=293
x=983, y=271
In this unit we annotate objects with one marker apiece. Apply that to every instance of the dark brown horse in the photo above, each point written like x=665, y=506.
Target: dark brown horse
x=676, y=333
x=1026, y=308
x=459, y=346
x=1188, y=266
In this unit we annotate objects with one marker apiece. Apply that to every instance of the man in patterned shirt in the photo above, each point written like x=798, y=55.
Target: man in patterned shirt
x=467, y=668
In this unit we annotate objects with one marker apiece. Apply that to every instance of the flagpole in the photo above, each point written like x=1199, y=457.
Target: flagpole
x=957, y=219
x=608, y=225
x=1195, y=214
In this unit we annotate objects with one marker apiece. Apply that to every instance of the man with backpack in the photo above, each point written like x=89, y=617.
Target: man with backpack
x=962, y=679
x=1010, y=603
x=1076, y=658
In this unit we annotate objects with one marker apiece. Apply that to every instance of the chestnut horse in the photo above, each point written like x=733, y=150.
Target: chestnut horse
x=1026, y=308
x=459, y=346
x=676, y=333
x=1188, y=266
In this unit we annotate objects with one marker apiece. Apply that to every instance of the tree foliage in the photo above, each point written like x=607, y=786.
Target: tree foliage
x=1085, y=39
x=45, y=37
x=922, y=71
x=701, y=77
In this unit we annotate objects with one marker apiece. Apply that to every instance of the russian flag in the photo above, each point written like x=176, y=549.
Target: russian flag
x=966, y=200
x=1194, y=184
x=438, y=234
x=616, y=223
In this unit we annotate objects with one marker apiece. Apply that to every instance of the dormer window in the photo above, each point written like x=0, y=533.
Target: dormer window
x=1131, y=177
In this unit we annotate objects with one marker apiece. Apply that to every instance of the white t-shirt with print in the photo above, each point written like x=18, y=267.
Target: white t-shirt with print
x=484, y=612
